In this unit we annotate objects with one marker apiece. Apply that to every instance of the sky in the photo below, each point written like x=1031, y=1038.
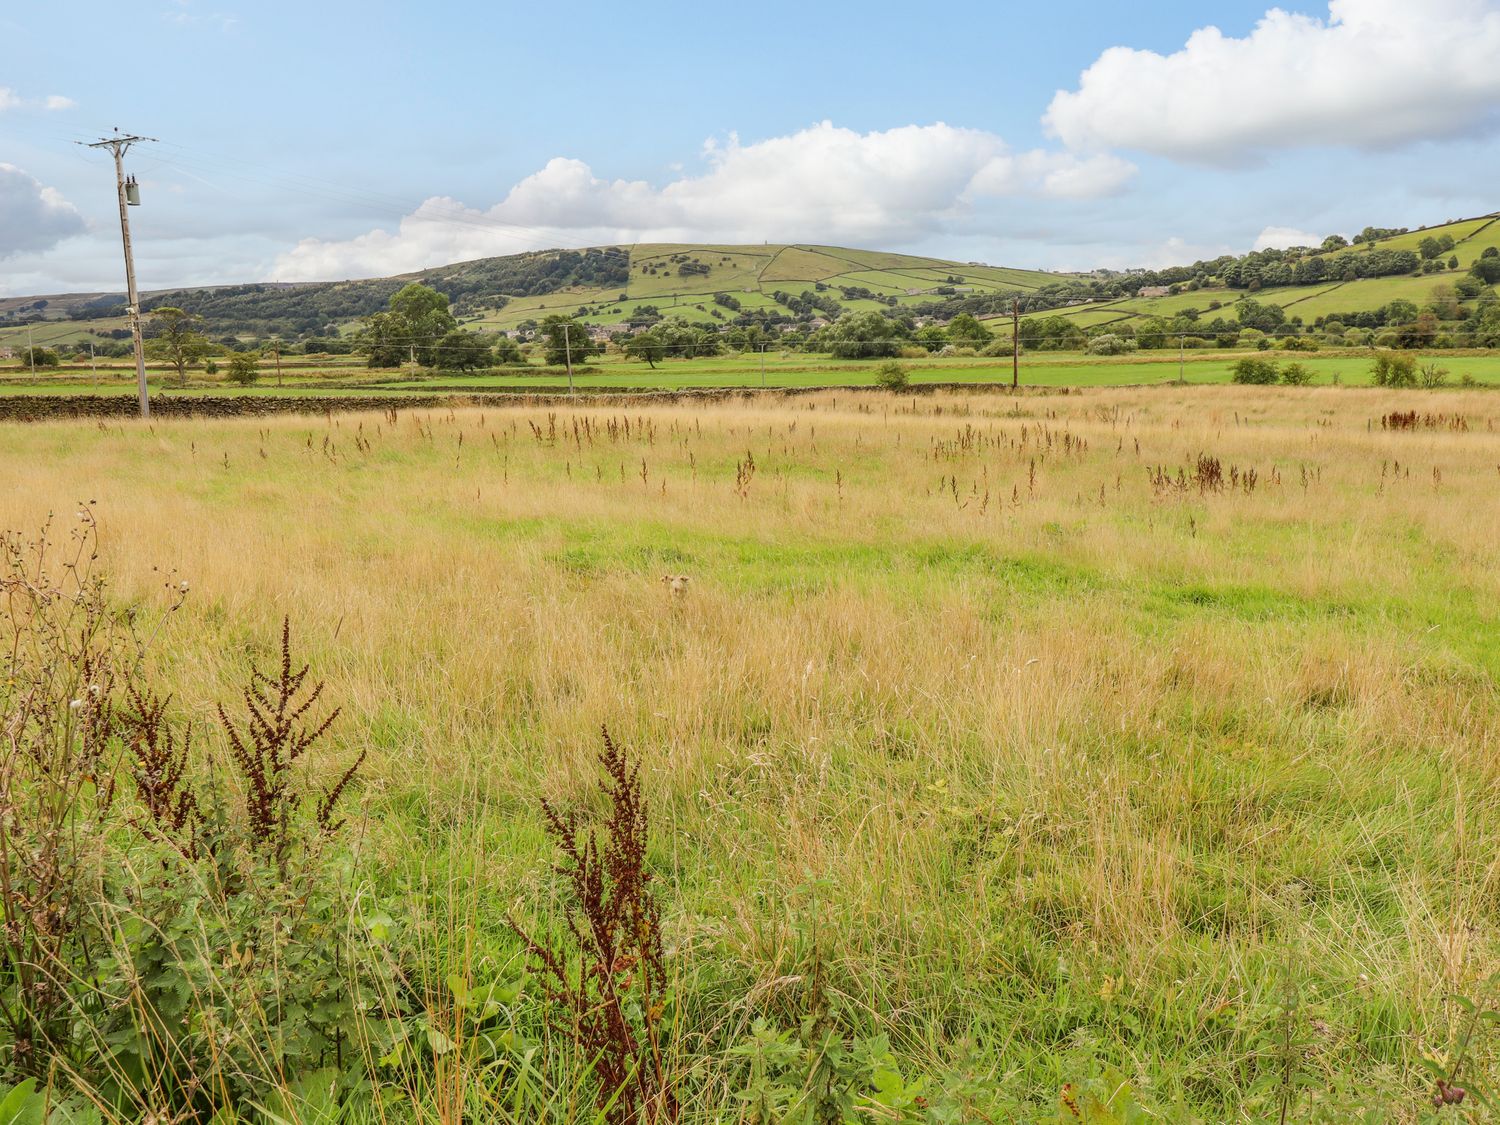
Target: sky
x=335, y=139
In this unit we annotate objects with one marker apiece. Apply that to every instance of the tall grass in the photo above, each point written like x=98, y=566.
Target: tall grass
x=1041, y=770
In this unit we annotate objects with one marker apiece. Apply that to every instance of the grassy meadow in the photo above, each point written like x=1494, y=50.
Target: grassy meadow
x=1003, y=724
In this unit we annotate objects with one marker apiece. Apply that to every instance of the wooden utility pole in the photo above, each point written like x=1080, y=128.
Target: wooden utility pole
x=120, y=145
x=1015, y=343
x=568, y=352
x=276, y=352
x=763, y=365
x=31, y=351
x=1181, y=359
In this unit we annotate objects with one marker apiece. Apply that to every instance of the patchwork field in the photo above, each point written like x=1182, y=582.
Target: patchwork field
x=1116, y=748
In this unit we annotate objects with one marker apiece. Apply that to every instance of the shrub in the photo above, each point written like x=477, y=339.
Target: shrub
x=1255, y=372
x=210, y=367
x=1432, y=376
x=1299, y=344
x=1110, y=344
x=1394, y=370
x=914, y=353
x=244, y=368
x=1296, y=375
x=892, y=376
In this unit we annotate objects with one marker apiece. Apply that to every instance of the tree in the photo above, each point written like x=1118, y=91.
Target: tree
x=39, y=357
x=1400, y=312
x=507, y=351
x=1487, y=268
x=1255, y=372
x=1334, y=242
x=864, y=335
x=410, y=330
x=647, y=345
x=565, y=339
x=1429, y=248
x=965, y=331
x=461, y=350
x=1296, y=375
x=244, y=367
x=176, y=340
x=1152, y=333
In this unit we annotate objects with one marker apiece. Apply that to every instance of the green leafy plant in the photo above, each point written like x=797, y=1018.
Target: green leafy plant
x=892, y=376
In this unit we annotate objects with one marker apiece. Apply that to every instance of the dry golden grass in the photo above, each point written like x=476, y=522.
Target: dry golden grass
x=1055, y=757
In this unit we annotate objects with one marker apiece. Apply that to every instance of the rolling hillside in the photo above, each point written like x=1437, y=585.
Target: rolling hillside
x=602, y=286
x=1311, y=304
x=789, y=284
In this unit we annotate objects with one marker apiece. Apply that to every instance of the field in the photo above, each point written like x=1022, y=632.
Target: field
x=1134, y=744
x=614, y=372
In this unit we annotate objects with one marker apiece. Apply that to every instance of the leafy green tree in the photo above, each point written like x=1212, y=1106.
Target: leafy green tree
x=1296, y=375
x=1255, y=372
x=864, y=335
x=647, y=345
x=40, y=357
x=176, y=340
x=892, y=376
x=1152, y=333
x=507, y=351
x=564, y=338
x=932, y=337
x=965, y=331
x=462, y=350
x=244, y=367
x=1487, y=268
x=1429, y=248
x=1400, y=312
x=410, y=330
x=1334, y=242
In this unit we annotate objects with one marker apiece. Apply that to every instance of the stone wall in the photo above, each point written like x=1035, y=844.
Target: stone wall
x=46, y=407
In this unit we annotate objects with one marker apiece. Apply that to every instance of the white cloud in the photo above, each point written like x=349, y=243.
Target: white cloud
x=33, y=217
x=1280, y=238
x=1373, y=74
x=823, y=184
x=9, y=99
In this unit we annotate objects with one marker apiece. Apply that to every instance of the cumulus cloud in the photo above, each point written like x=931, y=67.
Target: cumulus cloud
x=9, y=99
x=1372, y=74
x=32, y=217
x=823, y=183
x=1280, y=238
x=57, y=101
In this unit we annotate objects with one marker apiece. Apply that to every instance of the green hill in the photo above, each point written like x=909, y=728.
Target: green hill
x=779, y=286
x=605, y=285
x=1205, y=297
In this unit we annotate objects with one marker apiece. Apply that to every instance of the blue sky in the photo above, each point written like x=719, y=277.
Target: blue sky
x=339, y=139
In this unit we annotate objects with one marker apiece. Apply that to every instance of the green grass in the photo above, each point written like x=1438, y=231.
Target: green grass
x=1056, y=779
x=790, y=369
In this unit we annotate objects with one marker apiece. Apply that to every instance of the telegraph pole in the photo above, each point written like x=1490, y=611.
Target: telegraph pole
x=1015, y=343
x=568, y=351
x=31, y=351
x=120, y=145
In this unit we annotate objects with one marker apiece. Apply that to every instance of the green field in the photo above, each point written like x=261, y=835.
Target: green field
x=345, y=375
x=1132, y=750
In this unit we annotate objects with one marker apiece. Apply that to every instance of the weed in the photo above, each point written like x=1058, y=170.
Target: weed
x=606, y=986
